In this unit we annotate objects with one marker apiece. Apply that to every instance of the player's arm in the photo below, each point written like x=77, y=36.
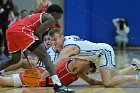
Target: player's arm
x=65, y=54
x=90, y=80
x=115, y=22
x=47, y=22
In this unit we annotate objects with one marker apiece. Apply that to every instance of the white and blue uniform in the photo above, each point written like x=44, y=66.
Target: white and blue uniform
x=100, y=53
x=53, y=54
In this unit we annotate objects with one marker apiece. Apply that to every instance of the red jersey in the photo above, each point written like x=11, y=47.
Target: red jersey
x=66, y=77
x=23, y=31
x=32, y=21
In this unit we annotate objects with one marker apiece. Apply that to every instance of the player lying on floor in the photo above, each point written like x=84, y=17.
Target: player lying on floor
x=101, y=54
x=67, y=72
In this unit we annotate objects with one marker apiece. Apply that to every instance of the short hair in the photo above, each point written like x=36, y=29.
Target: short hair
x=92, y=65
x=54, y=8
x=44, y=34
x=24, y=10
x=53, y=31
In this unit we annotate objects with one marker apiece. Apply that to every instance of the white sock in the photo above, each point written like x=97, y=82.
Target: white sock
x=137, y=77
x=56, y=80
x=2, y=71
x=135, y=68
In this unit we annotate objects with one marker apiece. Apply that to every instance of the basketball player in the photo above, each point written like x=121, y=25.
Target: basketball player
x=26, y=34
x=100, y=53
x=67, y=72
x=54, y=53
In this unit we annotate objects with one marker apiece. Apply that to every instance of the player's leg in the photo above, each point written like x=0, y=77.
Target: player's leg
x=127, y=70
x=6, y=81
x=39, y=50
x=16, y=56
x=110, y=77
x=109, y=74
x=13, y=67
x=22, y=64
x=132, y=68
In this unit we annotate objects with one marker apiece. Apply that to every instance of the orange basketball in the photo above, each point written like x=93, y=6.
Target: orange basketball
x=31, y=77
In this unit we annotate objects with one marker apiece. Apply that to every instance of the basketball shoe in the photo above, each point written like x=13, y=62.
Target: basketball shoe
x=1, y=73
x=136, y=64
x=62, y=89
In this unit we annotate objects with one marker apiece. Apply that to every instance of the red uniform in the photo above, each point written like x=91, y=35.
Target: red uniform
x=21, y=34
x=63, y=73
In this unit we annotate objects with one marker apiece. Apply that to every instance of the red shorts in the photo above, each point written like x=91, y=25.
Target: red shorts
x=19, y=37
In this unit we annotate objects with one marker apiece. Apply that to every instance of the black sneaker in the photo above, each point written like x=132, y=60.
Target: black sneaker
x=62, y=89
x=1, y=74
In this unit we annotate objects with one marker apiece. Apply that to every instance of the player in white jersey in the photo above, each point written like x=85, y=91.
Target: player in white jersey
x=100, y=53
x=54, y=53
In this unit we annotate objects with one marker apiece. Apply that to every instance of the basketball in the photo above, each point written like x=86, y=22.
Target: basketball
x=31, y=77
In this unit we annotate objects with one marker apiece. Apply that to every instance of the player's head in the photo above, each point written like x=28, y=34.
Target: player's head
x=56, y=37
x=47, y=39
x=55, y=10
x=90, y=68
x=24, y=13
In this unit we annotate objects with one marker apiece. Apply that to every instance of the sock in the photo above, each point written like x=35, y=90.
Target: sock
x=135, y=67
x=1, y=72
x=137, y=77
x=56, y=80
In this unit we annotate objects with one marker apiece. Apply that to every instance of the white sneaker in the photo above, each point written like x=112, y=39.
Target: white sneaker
x=62, y=89
x=1, y=72
x=136, y=64
x=138, y=77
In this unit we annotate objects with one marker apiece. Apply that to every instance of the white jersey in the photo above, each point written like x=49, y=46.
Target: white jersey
x=53, y=54
x=100, y=53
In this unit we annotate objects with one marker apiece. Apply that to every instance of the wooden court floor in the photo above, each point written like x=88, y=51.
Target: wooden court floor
x=123, y=58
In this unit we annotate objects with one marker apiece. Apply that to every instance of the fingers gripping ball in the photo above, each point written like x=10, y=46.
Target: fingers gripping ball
x=31, y=77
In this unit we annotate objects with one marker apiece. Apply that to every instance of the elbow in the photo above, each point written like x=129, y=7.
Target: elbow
x=107, y=84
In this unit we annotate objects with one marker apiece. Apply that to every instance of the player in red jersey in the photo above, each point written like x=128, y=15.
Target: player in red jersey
x=26, y=34
x=41, y=6
x=68, y=73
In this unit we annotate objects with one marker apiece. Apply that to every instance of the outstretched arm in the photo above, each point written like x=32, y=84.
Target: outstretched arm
x=90, y=80
x=65, y=54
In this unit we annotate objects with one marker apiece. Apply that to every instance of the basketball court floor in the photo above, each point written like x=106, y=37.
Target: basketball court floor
x=123, y=59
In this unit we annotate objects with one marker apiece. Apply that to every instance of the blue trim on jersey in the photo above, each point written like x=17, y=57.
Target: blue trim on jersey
x=107, y=58
x=95, y=54
x=55, y=57
x=102, y=54
x=106, y=61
